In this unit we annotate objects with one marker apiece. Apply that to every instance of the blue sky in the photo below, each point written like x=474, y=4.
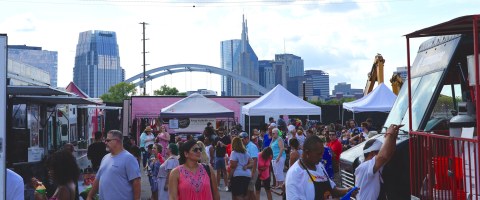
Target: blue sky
x=340, y=37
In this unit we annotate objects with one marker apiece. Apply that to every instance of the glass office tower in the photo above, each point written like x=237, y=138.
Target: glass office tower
x=97, y=62
x=320, y=82
x=238, y=57
x=36, y=57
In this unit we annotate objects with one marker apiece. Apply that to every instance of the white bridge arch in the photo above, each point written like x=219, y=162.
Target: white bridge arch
x=171, y=69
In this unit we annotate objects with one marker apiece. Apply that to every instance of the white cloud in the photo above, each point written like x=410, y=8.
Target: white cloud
x=339, y=37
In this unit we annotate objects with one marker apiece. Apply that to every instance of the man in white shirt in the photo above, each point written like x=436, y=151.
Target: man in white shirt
x=312, y=184
x=15, y=186
x=368, y=175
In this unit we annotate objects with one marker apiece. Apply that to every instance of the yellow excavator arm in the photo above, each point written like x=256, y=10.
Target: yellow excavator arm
x=376, y=74
x=397, y=83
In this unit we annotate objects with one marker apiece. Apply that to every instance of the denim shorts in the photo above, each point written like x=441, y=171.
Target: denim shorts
x=220, y=163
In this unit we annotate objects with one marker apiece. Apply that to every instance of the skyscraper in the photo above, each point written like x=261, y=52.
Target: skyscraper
x=289, y=72
x=238, y=57
x=36, y=57
x=293, y=63
x=320, y=82
x=266, y=73
x=97, y=62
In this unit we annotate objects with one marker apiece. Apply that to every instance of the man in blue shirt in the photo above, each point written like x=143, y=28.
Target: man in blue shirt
x=119, y=173
x=252, y=150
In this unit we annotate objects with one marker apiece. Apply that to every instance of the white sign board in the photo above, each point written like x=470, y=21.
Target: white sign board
x=194, y=125
x=35, y=154
x=173, y=124
x=3, y=103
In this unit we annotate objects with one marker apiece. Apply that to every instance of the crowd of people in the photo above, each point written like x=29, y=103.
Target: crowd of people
x=194, y=168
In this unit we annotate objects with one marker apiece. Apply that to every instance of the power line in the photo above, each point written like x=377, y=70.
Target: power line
x=249, y=3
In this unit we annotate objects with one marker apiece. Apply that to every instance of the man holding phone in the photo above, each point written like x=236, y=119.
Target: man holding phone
x=368, y=175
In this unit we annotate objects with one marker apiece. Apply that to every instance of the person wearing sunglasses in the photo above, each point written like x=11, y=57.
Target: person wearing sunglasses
x=118, y=167
x=192, y=180
x=336, y=147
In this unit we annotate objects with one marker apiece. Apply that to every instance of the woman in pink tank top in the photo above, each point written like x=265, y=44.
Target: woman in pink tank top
x=192, y=180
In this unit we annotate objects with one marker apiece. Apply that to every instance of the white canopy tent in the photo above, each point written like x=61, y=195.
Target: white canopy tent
x=381, y=99
x=279, y=101
x=196, y=105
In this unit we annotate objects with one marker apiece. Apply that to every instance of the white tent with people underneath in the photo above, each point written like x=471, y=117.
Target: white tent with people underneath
x=192, y=113
x=381, y=99
x=279, y=101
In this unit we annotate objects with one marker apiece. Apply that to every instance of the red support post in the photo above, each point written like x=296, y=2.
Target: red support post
x=412, y=189
x=477, y=87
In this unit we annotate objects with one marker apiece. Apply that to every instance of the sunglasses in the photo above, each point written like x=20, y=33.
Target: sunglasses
x=331, y=134
x=198, y=149
x=108, y=140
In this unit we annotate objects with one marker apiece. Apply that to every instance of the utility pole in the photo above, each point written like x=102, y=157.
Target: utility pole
x=144, y=52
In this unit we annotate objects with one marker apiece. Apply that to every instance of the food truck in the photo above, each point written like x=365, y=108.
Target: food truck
x=437, y=153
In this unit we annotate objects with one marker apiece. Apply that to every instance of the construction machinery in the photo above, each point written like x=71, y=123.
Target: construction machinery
x=375, y=75
x=397, y=83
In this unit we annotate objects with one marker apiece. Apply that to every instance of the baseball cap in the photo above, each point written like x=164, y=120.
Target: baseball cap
x=372, y=145
x=243, y=135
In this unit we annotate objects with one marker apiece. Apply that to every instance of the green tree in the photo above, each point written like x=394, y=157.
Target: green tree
x=332, y=101
x=165, y=90
x=119, y=92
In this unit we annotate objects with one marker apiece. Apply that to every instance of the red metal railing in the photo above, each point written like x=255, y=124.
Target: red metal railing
x=444, y=167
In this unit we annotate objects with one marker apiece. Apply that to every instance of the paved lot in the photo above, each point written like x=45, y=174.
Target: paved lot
x=223, y=195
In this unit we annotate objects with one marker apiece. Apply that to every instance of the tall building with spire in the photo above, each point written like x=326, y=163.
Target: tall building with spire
x=97, y=62
x=238, y=57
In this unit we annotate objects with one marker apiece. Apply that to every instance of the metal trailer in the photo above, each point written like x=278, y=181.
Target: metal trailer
x=437, y=154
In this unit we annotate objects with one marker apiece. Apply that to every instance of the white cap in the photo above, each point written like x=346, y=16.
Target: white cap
x=273, y=125
x=375, y=147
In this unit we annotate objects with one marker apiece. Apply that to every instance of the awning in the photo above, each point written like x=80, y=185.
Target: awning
x=53, y=100
x=102, y=107
x=34, y=90
x=460, y=25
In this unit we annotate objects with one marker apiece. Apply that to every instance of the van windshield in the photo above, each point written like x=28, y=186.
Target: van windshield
x=423, y=89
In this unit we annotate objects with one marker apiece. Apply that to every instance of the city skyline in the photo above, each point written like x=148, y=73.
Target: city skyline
x=340, y=38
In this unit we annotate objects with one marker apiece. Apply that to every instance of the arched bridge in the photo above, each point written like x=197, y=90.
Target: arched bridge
x=171, y=69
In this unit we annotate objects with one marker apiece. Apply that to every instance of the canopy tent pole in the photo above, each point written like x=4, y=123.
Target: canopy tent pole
x=343, y=112
x=249, y=122
x=353, y=115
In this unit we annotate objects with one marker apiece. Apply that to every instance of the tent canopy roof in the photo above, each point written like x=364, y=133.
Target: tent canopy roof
x=381, y=99
x=279, y=101
x=196, y=105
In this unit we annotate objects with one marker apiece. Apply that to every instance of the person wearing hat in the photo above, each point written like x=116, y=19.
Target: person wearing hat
x=368, y=175
x=146, y=138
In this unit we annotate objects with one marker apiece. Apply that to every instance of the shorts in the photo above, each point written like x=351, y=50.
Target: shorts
x=220, y=163
x=262, y=183
x=239, y=185
x=278, y=169
x=253, y=180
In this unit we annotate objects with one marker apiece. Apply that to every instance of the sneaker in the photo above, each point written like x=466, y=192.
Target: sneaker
x=226, y=189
